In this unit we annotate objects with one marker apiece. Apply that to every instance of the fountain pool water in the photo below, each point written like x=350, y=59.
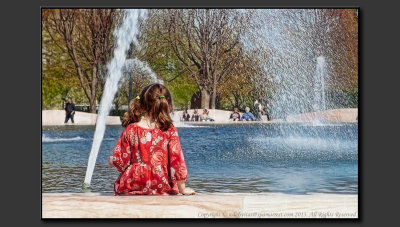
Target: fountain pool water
x=295, y=158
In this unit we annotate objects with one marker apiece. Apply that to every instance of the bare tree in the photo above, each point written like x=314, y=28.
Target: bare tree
x=86, y=36
x=207, y=42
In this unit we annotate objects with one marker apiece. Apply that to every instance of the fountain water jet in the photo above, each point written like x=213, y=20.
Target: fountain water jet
x=125, y=35
x=289, y=42
x=134, y=63
x=298, y=61
x=319, y=90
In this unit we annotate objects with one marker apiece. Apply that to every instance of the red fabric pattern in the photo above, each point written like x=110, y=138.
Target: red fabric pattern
x=150, y=161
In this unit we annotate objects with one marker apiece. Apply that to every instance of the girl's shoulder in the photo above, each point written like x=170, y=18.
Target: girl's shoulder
x=172, y=128
x=129, y=131
x=171, y=131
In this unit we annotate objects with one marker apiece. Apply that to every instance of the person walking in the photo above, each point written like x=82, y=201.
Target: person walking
x=69, y=111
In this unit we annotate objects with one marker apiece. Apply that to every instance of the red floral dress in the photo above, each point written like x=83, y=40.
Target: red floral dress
x=150, y=161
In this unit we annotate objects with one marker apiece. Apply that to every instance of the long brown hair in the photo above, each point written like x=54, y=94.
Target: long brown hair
x=154, y=100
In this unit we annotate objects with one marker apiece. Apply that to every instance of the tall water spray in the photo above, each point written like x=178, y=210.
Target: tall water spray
x=319, y=88
x=125, y=35
x=293, y=47
x=134, y=64
x=290, y=41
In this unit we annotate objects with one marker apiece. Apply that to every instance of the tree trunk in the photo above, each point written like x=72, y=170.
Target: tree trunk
x=205, y=99
x=214, y=92
x=93, y=88
x=237, y=104
x=92, y=105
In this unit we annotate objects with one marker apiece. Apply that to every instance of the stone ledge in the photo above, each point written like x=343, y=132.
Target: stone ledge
x=349, y=115
x=201, y=205
x=57, y=117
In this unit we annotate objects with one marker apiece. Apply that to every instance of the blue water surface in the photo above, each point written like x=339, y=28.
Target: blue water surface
x=288, y=158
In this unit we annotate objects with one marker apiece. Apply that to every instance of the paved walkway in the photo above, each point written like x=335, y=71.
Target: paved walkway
x=202, y=205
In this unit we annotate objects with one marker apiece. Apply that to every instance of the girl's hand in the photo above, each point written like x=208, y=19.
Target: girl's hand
x=111, y=161
x=185, y=190
x=188, y=191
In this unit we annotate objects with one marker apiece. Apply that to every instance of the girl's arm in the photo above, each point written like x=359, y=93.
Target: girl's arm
x=177, y=163
x=121, y=153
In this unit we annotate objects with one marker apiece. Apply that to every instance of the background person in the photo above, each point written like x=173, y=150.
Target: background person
x=248, y=116
x=267, y=111
x=258, y=110
x=69, y=111
x=204, y=116
x=235, y=116
x=185, y=116
x=195, y=116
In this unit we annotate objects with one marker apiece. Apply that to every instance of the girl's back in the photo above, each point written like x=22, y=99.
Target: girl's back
x=148, y=154
x=150, y=161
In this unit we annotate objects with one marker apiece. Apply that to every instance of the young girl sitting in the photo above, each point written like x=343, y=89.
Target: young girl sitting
x=148, y=154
